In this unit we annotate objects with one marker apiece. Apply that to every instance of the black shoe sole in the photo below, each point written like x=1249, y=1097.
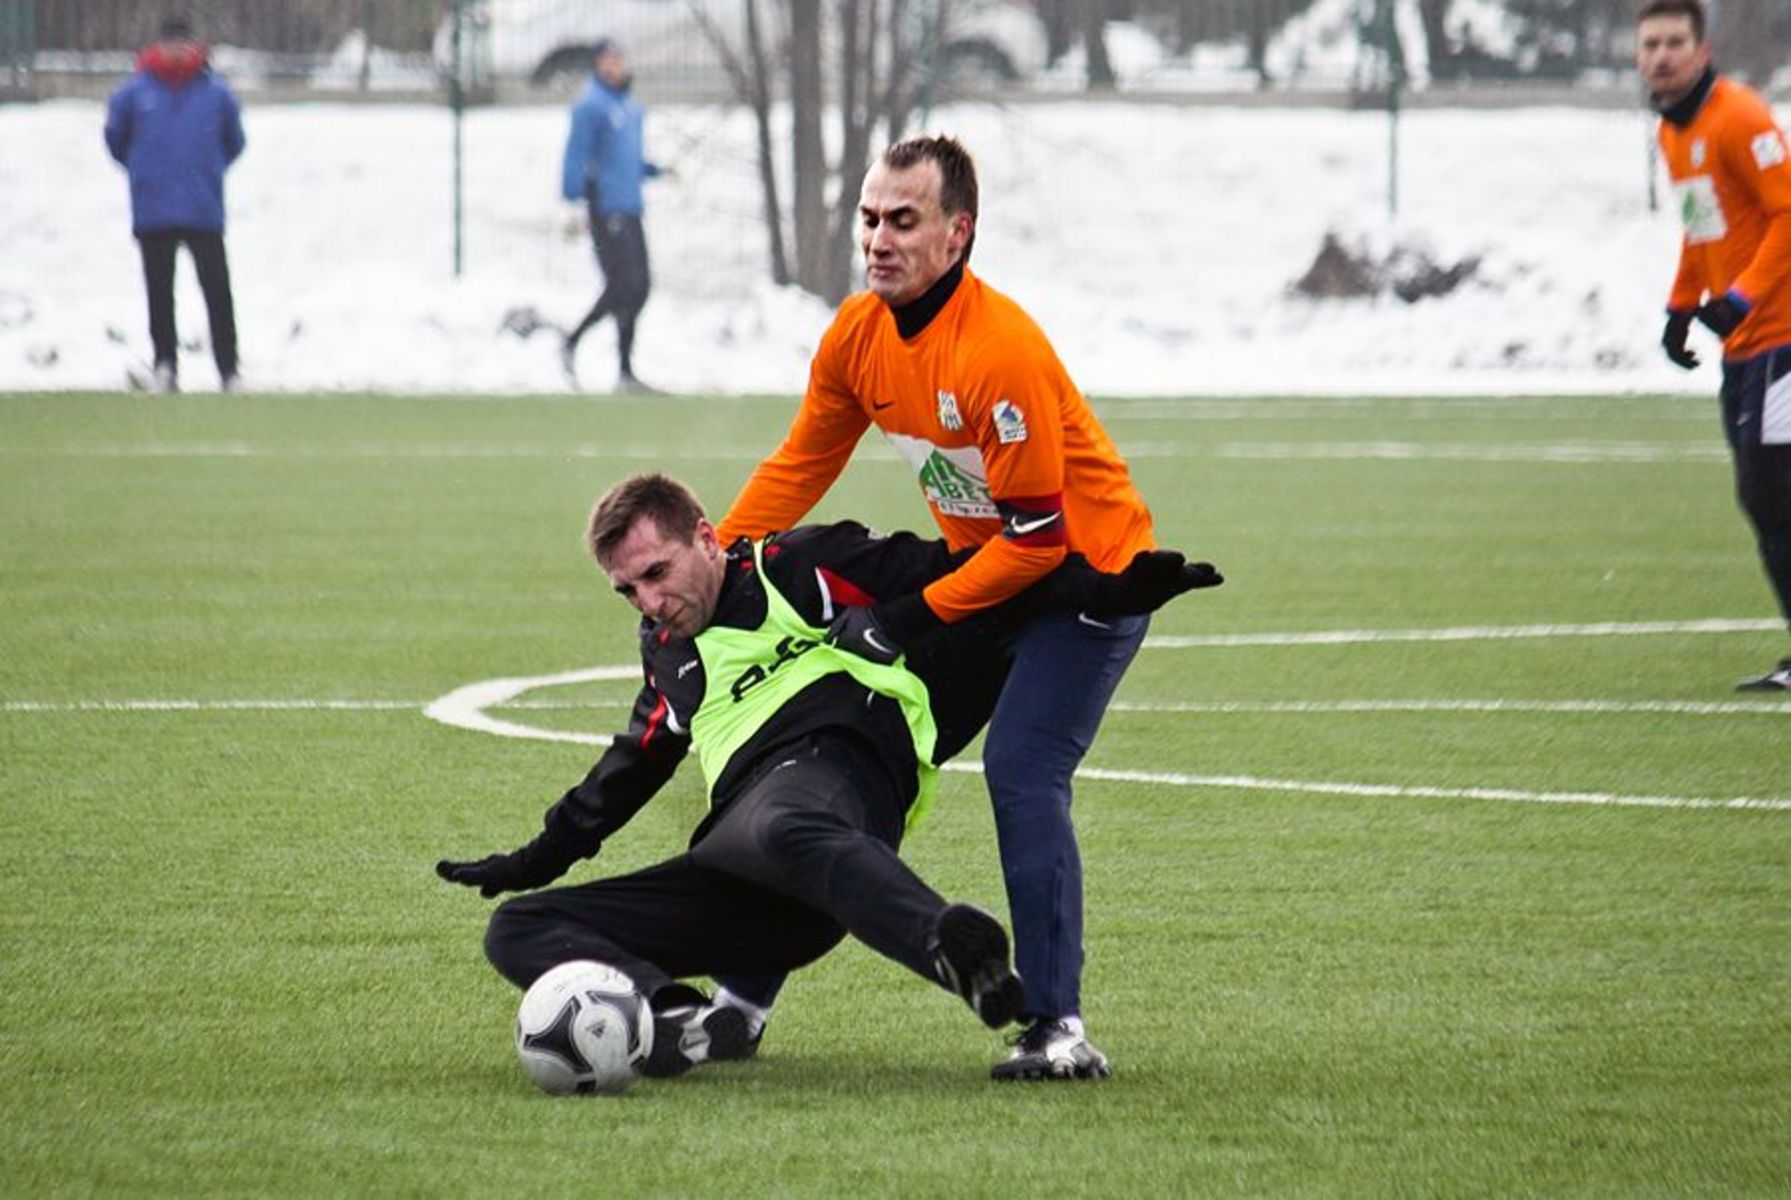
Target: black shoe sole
x=974, y=946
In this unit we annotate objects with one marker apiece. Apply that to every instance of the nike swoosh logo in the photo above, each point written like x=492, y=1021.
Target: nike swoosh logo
x=882, y=406
x=876, y=645
x=1090, y=621
x=1032, y=526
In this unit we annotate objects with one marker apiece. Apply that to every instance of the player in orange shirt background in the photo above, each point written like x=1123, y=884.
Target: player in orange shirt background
x=1731, y=170
x=1012, y=461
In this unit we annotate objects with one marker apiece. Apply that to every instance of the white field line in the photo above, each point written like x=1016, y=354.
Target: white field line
x=1567, y=452
x=1466, y=633
x=1695, y=708
x=468, y=708
x=1343, y=408
x=129, y=706
x=465, y=708
x=1392, y=791
x=250, y=450
x=1562, y=452
x=1687, y=708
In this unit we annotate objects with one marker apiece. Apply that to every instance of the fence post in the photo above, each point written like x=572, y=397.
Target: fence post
x=457, y=103
x=18, y=50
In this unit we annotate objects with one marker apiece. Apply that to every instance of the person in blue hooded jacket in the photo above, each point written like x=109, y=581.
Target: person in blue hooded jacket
x=176, y=129
x=604, y=167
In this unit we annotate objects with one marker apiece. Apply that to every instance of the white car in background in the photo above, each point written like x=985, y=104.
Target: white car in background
x=542, y=42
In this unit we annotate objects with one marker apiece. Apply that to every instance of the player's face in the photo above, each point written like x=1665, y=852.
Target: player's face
x=1669, y=55
x=907, y=238
x=674, y=582
x=611, y=67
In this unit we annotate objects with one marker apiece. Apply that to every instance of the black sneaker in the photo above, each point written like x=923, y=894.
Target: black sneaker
x=1776, y=680
x=970, y=958
x=1052, y=1050
x=697, y=1032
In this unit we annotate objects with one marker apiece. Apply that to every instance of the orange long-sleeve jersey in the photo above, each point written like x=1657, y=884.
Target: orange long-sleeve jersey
x=1731, y=170
x=1007, y=452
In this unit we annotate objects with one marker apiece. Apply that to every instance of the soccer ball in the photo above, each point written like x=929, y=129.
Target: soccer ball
x=583, y=1028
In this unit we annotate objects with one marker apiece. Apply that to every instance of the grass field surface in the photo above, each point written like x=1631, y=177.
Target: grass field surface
x=1431, y=855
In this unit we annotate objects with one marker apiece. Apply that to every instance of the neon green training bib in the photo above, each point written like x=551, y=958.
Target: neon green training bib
x=752, y=673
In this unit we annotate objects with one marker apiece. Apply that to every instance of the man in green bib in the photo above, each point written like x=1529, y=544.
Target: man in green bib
x=816, y=759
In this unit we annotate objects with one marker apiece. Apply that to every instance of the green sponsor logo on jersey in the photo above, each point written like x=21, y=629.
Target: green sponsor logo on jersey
x=951, y=488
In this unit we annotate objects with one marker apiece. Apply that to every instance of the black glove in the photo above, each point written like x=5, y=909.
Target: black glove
x=1672, y=339
x=533, y=866
x=1724, y=313
x=859, y=630
x=1152, y=579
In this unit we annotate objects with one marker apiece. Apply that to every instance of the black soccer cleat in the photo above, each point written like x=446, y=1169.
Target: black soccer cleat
x=970, y=958
x=1776, y=680
x=1052, y=1050
x=694, y=1033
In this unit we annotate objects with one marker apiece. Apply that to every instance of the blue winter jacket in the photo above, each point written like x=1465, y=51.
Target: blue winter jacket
x=176, y=142
x=604, y=159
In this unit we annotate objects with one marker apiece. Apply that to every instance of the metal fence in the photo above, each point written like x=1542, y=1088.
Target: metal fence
x=1020, y=47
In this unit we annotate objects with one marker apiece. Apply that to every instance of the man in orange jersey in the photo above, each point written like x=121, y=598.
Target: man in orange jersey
x=1731, y=170
x=1011, y=461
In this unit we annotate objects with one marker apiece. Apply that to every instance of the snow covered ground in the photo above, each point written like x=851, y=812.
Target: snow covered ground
x=1155, y=244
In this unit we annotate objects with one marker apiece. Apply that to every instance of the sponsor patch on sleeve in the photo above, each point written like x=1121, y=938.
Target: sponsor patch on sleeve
x=1010, y=423
x=1769, y=149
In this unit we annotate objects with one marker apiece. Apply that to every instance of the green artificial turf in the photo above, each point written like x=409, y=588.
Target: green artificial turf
x=1376, y=915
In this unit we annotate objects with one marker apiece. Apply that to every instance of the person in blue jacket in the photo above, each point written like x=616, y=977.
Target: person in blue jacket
x=176, y=129
x=604, y=167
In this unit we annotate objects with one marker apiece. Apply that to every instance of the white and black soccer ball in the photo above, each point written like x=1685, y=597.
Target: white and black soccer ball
x=583, y=1028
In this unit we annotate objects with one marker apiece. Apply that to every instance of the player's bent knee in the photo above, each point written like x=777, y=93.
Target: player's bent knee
x=509, y=937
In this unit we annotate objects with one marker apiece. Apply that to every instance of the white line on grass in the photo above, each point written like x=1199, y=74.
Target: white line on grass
x=1509, y=795
x=1691, y=708
x=1568, y=452
x=465, y=708
x=1563, y=452
x=1696, y=708
x=1466, y=633
x=208, y=705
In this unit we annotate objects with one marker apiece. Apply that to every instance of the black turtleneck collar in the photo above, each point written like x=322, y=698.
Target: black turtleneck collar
x=1681, y=111
x=918, y=313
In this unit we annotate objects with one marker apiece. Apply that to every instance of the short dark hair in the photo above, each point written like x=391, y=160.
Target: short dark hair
x=671, y=504
x=1694, y=9
x=176, y=29
x=957, y=170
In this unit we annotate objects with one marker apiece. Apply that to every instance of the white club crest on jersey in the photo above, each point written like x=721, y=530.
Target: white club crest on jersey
x=949, y=417
x=1769, y=149
x=1010, y=423
x=1697, y=152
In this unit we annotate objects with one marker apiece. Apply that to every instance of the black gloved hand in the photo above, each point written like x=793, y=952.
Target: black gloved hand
x=1152, y=579
x=1672, y=338
x=858, y=630
x=1723, y=314
x=532, y=866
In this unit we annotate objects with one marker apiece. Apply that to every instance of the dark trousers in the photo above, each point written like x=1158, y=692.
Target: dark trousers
x=804, y=855
x=622, y=255
x=158, y=248
x=1065, y=669
x=1756, y=398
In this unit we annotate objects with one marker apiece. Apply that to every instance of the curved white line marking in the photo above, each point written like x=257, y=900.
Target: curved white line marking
x=464, y=708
